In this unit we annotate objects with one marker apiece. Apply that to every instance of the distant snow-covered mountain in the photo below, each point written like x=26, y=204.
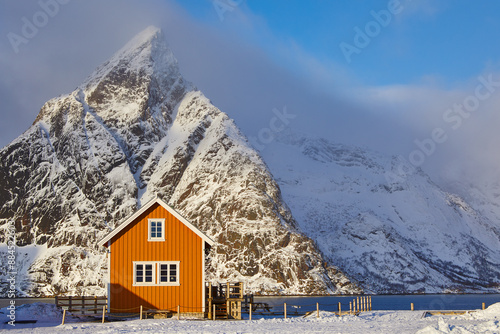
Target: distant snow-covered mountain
x=390, y=232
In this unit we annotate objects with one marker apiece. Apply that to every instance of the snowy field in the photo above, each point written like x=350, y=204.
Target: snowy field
x=49, y=321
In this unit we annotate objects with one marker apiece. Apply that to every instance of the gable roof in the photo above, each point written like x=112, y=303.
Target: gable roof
x=145, y=207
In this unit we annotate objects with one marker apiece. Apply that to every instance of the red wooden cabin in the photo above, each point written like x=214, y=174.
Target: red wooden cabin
x=156, y=259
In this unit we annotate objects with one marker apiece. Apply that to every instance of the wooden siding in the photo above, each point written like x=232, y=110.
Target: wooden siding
x=181, y=244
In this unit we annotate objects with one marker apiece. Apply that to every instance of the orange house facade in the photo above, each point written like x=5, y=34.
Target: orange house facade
x=156, y=259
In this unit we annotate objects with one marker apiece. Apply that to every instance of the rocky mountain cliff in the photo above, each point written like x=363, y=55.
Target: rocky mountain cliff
x=133, y=130
x=385, y=223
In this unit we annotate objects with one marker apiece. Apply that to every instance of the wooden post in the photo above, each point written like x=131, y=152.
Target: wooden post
x=284, y=309
x=411, y=306
x=483, y=306
x=104, y=313
x=178, y=312
x=213, y=314
x=64, y=316
x=357, y=303
x=140, y=310
x=350, y=307
x=340, y=309
x=317, y=310
x=370, y=303
x=228, y=306
x=365, y=304
x=250, y=311
x=354, y=305
x=210, y=300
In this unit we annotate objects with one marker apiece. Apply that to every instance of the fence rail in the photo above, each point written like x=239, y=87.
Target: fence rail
x=83, y=304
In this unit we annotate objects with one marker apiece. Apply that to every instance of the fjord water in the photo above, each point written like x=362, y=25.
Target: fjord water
x=385, y=302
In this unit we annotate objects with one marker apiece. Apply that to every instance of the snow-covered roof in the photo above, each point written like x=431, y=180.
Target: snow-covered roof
x=145, y=207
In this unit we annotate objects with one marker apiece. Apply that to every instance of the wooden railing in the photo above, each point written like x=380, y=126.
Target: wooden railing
x=83, y=304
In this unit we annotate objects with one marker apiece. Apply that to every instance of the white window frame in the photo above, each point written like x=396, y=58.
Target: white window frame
x=169, y=283
x=144, y=263
x=156, y=273
x=162, y=221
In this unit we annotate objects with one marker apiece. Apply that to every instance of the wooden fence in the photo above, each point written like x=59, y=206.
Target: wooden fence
x=82, y=304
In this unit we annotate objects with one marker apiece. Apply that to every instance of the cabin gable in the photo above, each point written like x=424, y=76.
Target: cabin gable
x=157, y=273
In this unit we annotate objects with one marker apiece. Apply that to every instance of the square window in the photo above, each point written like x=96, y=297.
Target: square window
x=155, y=229
x=144, y=273
x=168, y=274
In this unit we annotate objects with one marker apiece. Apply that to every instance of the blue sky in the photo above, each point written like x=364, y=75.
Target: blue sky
x=449, y=41
x=258, y=56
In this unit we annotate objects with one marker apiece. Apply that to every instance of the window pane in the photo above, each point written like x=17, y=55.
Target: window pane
x=156, y=229
x=173, y=273
x=153, y=229
x=149, y=273
x=163, y=273
x=139, y=273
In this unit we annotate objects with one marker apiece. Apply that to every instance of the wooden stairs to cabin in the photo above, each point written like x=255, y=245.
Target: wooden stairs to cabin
x=221, y=310
x=224, y=301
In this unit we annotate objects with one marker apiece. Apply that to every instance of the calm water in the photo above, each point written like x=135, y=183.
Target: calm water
x=379, y=303
x=385, y=302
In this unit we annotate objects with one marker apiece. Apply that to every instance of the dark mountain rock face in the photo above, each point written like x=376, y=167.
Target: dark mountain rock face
x=135, y=129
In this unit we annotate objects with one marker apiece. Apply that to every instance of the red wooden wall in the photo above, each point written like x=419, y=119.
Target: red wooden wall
x=181, y=244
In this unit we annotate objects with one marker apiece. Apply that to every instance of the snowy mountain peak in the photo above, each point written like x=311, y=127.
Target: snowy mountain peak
x=146, y=52
x=136, y=128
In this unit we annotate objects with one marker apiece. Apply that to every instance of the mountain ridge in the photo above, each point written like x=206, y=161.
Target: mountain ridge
x=406, y=236
x=136, y=129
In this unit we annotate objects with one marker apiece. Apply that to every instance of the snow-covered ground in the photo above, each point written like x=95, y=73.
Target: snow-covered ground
x=49, y=318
